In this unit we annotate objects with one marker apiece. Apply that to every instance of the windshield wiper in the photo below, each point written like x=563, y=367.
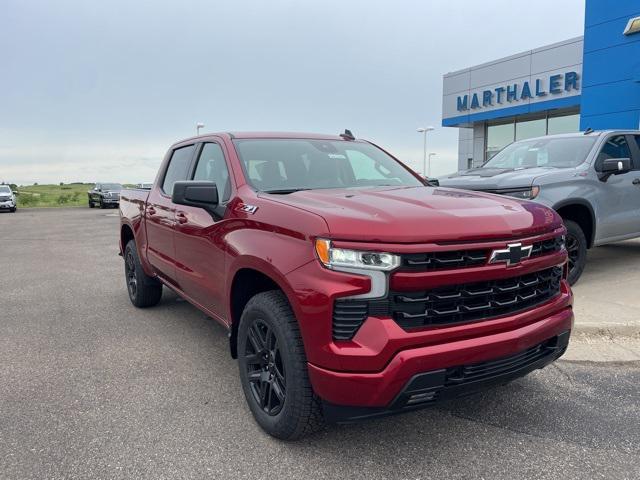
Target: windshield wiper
x=284, y=191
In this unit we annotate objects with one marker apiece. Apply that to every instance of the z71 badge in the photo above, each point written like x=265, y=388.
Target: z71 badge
x=243, y=207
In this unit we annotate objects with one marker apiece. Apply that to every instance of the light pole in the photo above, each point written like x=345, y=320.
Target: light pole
x=432, y=154
x=198, y=127
x=424, y=131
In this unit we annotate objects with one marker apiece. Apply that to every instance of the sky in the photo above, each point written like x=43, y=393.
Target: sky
x=98, y=90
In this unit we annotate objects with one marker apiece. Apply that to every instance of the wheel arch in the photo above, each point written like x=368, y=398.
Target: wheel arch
x=581, y=212
x=248, y=280
x=126, y=235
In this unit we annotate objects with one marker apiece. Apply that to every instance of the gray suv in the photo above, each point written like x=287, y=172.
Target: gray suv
x=591, y=179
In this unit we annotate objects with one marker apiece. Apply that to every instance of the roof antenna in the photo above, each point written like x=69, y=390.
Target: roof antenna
x=347, y=135
x=588, y=131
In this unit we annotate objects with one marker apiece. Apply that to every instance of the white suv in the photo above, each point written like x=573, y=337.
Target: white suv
x=7, y=198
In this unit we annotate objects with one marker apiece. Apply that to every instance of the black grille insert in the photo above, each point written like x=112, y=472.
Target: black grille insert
x=501, y=366
x=545, y=247
x=468, y=258
x=474, y=301
x=348, y=315
x=442, y=260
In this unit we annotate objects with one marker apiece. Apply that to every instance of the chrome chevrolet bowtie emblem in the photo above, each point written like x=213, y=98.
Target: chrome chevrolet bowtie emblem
x=513, y=254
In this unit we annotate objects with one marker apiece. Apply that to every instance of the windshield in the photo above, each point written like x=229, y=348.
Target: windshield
x=555, y=152
x=285, y=165
x=112, y=186
x=4, y=189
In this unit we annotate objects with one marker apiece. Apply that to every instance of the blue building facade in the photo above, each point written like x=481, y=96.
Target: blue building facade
x=611, y=66
x=591, y=81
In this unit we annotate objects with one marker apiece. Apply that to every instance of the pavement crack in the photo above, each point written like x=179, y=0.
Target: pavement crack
x=563, y=373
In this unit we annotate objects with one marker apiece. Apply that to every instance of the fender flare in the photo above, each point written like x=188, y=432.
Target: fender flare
x=265, y=268
x=584, y=203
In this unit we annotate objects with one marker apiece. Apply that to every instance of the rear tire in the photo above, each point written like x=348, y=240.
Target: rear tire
x=576, y=249
x=144, y=291
x=273, y=369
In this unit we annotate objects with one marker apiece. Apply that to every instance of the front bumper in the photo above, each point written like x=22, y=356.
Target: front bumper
x=382, y=389
x=429, y=388
x=7, y=205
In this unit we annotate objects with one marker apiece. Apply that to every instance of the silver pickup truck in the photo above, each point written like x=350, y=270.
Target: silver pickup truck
x=591, y=179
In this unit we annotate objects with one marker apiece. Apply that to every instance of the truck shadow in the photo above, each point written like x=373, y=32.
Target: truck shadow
x=611, y=260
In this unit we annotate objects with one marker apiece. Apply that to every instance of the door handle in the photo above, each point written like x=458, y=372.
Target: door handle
x=636, y=181
x=181, y=217
x=151, y=211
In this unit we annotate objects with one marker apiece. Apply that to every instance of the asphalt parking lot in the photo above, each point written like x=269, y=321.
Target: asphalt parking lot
x=91, y=387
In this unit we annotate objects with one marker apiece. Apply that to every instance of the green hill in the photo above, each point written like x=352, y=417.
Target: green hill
x=68, y=195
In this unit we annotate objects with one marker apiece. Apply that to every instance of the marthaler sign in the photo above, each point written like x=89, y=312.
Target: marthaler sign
x=553, y=85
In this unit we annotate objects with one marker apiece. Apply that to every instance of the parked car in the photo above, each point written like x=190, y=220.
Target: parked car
x=105, y=195
x=349, y=287
x=591, y=179
x=7, y=199
x=144, y=186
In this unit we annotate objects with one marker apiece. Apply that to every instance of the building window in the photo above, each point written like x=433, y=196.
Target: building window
x=531, y=128
x=563, y=124
x=498, y=137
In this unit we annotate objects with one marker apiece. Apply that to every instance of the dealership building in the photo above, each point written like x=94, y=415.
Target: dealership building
x=591, y=81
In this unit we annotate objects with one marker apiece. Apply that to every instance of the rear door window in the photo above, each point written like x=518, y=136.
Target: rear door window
x=178, y=168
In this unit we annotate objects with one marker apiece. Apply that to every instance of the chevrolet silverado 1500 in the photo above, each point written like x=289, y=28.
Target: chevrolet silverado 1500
x=350, y=287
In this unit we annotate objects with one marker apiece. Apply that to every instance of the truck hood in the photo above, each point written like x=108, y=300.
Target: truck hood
x=422, y=214
x=494, y=178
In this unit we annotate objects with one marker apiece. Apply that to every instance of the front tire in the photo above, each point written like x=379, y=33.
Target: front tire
x=576, y=249
x=273, y=368
x=144, y=291
x=13, y=209
x=102, y=205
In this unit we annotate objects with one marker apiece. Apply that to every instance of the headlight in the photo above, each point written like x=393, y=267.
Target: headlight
x=523, y=193
x=332, y=257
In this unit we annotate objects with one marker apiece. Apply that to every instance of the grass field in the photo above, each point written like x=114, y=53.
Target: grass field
x=53, y=195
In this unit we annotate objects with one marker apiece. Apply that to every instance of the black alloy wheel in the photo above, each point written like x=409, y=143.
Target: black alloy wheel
x=265, y=368
x=144, y=291
x=273, y=368
x=576, y=245
x=130, y=272
x=573, y=251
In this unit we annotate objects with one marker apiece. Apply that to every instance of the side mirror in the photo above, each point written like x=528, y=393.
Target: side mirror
x=614, y=166
x=15, y=193
x=195, y=194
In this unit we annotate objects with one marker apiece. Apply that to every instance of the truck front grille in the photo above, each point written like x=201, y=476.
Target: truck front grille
x=442, y=260
x=452, y=259
x=474, y=301
x=545, y=247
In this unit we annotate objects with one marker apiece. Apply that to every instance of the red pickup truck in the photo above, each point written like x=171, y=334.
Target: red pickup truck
x=350, y=287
